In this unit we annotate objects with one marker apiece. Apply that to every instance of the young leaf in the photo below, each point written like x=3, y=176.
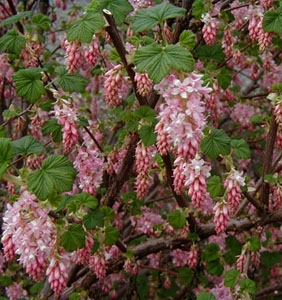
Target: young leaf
x=41, y=21
x=213, y=52
x=211, y=253
x=108, y=212
x=111, y=235
x=74, y=238
x=241, y=148
x=148, y=18
x=142, y=284
x=254, y=243
x=205, y=296
x=185, y=275
x=52, y=127
x=176, y=219
x=214, y=186
x=12, y=42
x=28, y=84
x=248, y=285
x=215, y=267
x=71, y=82
x=198, y=9
x=218, y=142
x=272, y=21
x=230, y=278
x=187, y=39
x=157, y=61
x=16, y=18
x=87, y=200
x=26, y=145
x=93, y=219
x=83, y=29
x=145, y=112
x=148, y=135
x=119, y=8
x=56, y=173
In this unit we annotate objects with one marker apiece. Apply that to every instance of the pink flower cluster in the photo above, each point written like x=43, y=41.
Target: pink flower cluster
x=232, y=184
x=143, y=164
x=73, y=56
x=180, y=257
x=221, y=217
x=113, y=86
x=209, y=29
x=241, y=114
x=97, y=264
x=196, y=173
x=28, y=231
x=81, y=256
x=193, y=258
x=66, y=114
x=144, y=83
x=15, y=291
x=91, y=54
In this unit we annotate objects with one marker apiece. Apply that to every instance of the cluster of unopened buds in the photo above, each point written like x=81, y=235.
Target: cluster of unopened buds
x=221, y=216
x=209, y=29
x=144, y=83
x=73, y=56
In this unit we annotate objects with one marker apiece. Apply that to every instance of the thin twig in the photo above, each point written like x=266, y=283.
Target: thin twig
x=94, y=139
x=18, y=115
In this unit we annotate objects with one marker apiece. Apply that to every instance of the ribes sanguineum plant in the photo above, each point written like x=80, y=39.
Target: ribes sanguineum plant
x=140, y=149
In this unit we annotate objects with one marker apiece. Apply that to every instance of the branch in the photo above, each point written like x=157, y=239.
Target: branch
x=14, y=11
x=94, y=140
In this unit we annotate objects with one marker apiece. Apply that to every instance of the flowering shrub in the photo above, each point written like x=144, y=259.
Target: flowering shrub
x=140, y=149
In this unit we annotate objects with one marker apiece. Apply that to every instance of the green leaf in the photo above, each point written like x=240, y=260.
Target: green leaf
x=71, y=82
x=74, y=296
x=214, y=186
x=248, y=285
x=234, y=249
x=108, y=212
x=146, y=113
x=111, y=235
x=87, y=200
x=56, y=173
x=185, y=275
x=269, y=259
x=241, y=148
x=142, y=284
x=176, y=219
x=148, y=18
x=158, y=61
x=224, y=78
x=2, y=131
x=10, y=113
x=272, y=21
x=198, y=9
x=95, y=247
x=119, y=8
x=205, y=296
x=148, y=135
x=28, y=84
x=74, y=238
x=16, y=18
x=26, y=145
x=52, y=127
x=254, y=243
x=218, y=142
x=83, y=30
x=41, y=21
x=230, y=278
x=213, y=52
x=36, y=288
x=6, y=154
x=47, y=105
x=6, y=280
x=12, y=42
x=93, y=219
x=211, y=253
x=215, y=267
x=187, y=39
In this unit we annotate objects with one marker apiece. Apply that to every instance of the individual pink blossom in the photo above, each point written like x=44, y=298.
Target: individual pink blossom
x=193, y=258
x=138, y=4
x=143, y=163
x=240, y=263
x=97, y=264
x=92, y=53
x=179, y=176
x=196, y=173
x=209, y=29
x=167, y=282
x=34, y=161
x=15, y=291
x=232, y=184
x=221, y=217
x=73, y=56
x=278, y=113
x=180, y=257
x=275, y=203
x=144, y=83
